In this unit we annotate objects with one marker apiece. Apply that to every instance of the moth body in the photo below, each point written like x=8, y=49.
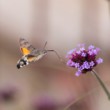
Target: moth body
x=35, y=55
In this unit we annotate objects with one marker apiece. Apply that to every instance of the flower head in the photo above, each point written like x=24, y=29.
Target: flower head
x=83, y=59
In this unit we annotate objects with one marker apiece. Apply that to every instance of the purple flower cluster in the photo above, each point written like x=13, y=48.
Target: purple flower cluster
x=83, y=59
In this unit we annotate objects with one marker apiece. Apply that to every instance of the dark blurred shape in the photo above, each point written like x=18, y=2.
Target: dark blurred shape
x=7, y=94
x=44, y=103
x=18, y=66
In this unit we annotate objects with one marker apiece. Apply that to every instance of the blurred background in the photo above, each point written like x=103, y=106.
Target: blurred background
x=49, y=84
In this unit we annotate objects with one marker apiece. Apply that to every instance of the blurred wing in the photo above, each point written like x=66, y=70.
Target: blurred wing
x=25, y=46
x=31, y=58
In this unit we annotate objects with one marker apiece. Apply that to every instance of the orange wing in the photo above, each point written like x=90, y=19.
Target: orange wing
x=25, y=46
x=25, y=51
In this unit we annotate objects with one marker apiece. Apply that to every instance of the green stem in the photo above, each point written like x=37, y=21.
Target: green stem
x=101, y=83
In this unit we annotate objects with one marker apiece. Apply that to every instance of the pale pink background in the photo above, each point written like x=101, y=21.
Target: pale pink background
x=63, y=24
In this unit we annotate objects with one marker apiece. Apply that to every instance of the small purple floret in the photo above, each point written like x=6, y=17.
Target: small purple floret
x=76, y=65
x=78, y=73
x=92, y=63
x=86, y=65
x=71, y=51
x=70, y=63
x=83, y=54
x=99, y=60
x=78, y=52
x=82, y=49
x=91, y=47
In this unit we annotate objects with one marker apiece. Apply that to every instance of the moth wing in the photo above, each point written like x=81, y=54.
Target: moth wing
x=25, y=47
x=31, y=58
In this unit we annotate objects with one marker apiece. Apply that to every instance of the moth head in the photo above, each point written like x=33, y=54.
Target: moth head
x=22, y=62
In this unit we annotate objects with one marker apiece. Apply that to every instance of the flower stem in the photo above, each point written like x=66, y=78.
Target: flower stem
x=101, y=83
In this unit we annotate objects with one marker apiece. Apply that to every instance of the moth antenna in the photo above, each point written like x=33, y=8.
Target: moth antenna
x=59, y=57
x=45, y=45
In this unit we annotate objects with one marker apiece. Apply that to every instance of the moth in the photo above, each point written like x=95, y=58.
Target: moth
x=30, y=53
